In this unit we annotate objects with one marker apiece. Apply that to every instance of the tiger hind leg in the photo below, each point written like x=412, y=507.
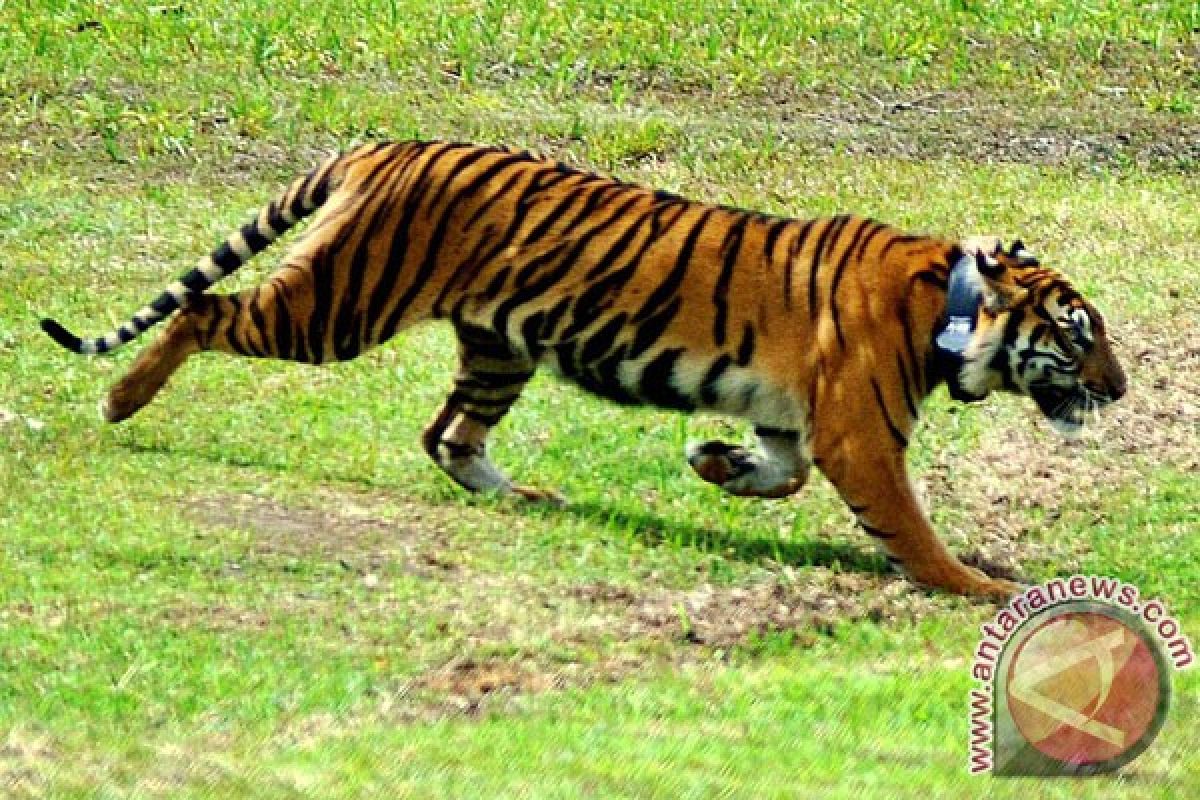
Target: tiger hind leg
x=778, y=468
x=273, y=320
x=489, y=380
x=152, y=368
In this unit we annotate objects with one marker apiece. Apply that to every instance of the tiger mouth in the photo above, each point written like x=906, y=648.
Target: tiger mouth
x=1067, y=408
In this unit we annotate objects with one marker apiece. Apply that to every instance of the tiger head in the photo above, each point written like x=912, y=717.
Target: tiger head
x=1034, y=334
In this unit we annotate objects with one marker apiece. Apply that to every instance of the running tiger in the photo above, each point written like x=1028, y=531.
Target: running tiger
x=826, y=334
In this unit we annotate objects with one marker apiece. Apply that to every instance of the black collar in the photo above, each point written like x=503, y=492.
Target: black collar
x=953, y=333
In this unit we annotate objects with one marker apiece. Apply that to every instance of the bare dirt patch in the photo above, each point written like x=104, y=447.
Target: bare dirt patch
x=26, y=759
x=516, y=634
x=355, y=535
x=1159, y=420
x=1023, y=476
x=804, y=603
x=988, y=126
x=215, y=618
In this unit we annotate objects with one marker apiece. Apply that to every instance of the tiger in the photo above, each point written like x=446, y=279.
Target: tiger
x=825, y=334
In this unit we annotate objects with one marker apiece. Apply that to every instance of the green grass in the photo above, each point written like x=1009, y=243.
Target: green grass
x=260, y=587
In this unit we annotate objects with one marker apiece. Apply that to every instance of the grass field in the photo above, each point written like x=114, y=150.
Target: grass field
x=260, y=588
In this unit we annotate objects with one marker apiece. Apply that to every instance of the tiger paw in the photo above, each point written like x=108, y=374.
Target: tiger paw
x=740, y=471
x=718, y=462
x=975, y=583
x=999, y=589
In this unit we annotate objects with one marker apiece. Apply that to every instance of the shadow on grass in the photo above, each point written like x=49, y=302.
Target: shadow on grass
x=655, y=531
x=651, y=529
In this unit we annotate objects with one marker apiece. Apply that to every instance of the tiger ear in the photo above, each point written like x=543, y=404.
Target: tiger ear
x=1018, y=252
x=1000, y=291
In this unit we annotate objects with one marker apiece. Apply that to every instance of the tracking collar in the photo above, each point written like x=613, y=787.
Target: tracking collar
x=952, y=336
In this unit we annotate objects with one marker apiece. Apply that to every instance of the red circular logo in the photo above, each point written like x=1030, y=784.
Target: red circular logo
x=1087, y=687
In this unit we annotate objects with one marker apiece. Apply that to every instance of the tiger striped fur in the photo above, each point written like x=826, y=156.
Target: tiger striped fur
x=820, y=332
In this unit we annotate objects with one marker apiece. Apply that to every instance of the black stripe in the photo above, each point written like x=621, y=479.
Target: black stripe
x=670, y=285
x=532, y=267
x=165, y=303
x=455, y=171
x=531, y=326
x=322, y=299
x=652, y=329
x=283, y=324
x=213, y=316
x=480, y=341
x=655, y=384
x=876, y=532
x=323, y=272
x=466, y=272
x=900, y=438
x=789, y=268
x=481, y=392
x=773, y=231
x=297, y=206
x=708, y=386
x=549, y=327
x=254, y=239
x=463, y=275
x=904, y=381
x=604, y=379
x=275, y=216
x=828, y=238
x=730, y=248
x=523, y=291
x=919, y=366
x=988, y=267
x=837, y=279
x=231, y=333
x=503, y=191
x=320, y=187
x=601, y=342
x=590, y=305
x=930, y=277
x=195, y=281
x=745, y=350
x=611, y=257
x=556, y=213
x=259, y=321
x=593, y=301
x=878, y=228
x=568, y=365
x=897, y=240
x=490, y=379
x=496, y=284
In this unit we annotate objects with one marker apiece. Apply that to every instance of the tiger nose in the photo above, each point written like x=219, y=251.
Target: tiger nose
x=1117, y=386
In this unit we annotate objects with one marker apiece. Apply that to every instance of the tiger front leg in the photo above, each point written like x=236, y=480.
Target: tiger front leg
x=777, y=469
x=873, y=481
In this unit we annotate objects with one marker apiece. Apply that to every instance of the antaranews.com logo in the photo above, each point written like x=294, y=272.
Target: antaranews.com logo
x=1074, y=678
